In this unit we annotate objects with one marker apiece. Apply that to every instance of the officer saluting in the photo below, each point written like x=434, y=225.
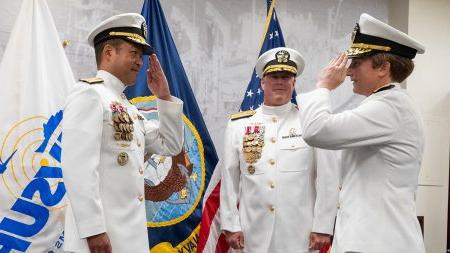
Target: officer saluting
x=105, y=139
x=382, y=141
x=287, y=197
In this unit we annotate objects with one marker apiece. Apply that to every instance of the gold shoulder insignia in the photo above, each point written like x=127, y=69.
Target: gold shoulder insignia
x=244, y=114
x=92, y=80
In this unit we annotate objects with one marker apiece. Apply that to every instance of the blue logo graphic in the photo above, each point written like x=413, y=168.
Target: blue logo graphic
x=38, y=189
x=4, y=165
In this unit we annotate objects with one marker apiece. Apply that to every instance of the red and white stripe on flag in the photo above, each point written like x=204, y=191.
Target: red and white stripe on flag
x=211, y=240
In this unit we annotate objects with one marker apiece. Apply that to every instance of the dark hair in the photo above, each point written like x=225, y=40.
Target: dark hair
x=401, y=67
x=100, y=46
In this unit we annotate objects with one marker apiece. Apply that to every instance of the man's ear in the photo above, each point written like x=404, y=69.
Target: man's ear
x=263, y=83
x=108, y=51
x=384, y=69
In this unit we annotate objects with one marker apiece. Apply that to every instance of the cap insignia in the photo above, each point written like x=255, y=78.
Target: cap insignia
x=282, y=56
x=144, y=30
x=355, y=31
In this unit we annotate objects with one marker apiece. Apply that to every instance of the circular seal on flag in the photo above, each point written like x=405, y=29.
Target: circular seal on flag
x=173, y=185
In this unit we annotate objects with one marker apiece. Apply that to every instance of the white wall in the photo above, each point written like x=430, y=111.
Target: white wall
x=429, y=22
x=218, y=41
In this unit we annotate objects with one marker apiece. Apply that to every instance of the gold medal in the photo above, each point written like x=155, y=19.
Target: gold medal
x=120, y=117
x=116, y=118
x=252, y=145
x=117, y=136
x=126, y=117
x=122, y=158
x=251, y=169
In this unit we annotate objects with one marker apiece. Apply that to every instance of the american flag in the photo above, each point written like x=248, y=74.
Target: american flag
x=210, y=238
x=273, y=37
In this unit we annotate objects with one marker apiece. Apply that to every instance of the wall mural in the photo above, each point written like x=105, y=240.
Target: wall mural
x=218, y=42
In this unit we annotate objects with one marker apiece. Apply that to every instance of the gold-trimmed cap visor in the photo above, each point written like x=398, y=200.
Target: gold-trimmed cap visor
x=130, y=34
x=362, y=49
x=373, y=36
x=280, y=59
x=128, y=26
x=280, y=67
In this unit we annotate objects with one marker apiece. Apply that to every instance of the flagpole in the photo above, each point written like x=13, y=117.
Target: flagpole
x=266, y=27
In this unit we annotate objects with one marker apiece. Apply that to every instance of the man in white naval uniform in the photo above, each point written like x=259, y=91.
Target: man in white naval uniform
x=105, y=139
x=277, y=194
x=381, y=140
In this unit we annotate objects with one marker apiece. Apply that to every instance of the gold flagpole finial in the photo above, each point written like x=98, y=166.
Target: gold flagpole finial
x=65, y=43
x=266, y=26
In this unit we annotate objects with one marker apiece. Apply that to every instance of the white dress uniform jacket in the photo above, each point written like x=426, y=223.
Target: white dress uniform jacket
x=291, y=192
x=105, y=196
x=382, y=141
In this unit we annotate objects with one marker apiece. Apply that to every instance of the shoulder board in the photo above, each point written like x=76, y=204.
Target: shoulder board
x=244, y=114
x=92, y=80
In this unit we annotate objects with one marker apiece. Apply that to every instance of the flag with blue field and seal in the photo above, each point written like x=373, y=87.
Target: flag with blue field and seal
x=174, y=186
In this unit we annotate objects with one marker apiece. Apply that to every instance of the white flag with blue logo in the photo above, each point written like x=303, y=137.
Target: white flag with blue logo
x=35, y=78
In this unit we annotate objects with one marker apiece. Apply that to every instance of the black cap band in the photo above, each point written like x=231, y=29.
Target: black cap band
x=396, y=48
x=105, y=35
